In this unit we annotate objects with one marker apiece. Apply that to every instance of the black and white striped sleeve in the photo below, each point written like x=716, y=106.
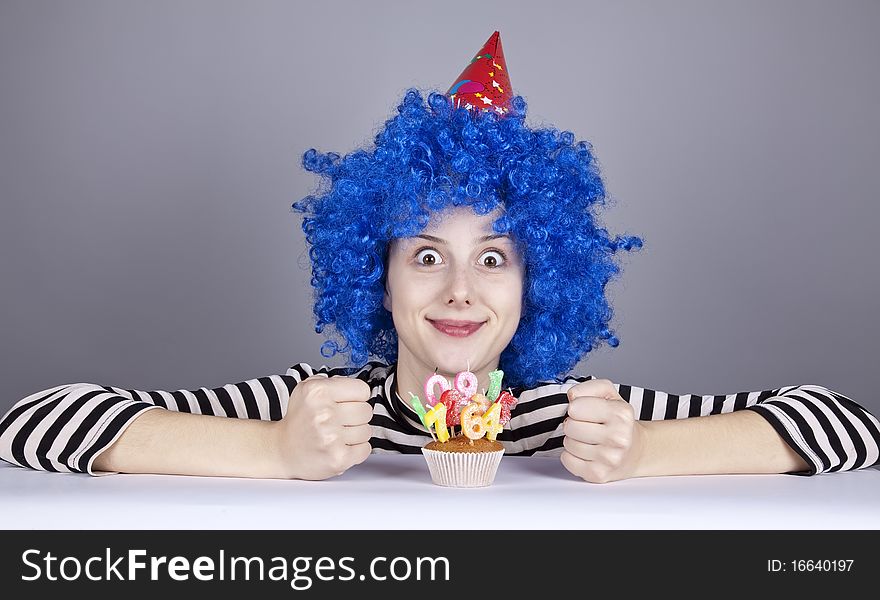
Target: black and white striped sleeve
x=62, y=429
x=828, y=430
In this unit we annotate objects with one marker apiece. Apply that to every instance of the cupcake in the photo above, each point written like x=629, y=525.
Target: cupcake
x=463, y=462
x=471, y=458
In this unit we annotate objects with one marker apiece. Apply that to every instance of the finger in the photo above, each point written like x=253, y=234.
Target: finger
x=571, y=462
x=324, y=391
x=358, y=453
x=347, y=389
x=581, y=450
x=353, y=413
x=592, y=409
x=601, y=388
x=583, y=431
x=358, y=434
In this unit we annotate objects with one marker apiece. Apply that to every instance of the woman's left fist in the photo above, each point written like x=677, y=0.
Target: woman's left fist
x=603, y=439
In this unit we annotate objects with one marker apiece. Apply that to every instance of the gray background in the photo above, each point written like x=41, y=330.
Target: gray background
x=150, y=151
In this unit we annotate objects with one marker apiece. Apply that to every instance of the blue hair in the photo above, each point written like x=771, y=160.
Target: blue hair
x=430, y=156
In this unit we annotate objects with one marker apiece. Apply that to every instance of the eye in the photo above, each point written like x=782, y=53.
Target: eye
x=494, y=258
x=430, y=257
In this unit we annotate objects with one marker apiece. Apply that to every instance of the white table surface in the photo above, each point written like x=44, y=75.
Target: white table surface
x=391, y=491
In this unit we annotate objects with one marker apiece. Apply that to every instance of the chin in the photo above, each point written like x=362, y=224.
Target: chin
x=456, y=360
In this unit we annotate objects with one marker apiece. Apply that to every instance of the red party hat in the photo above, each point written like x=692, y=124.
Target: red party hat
x=484, y=83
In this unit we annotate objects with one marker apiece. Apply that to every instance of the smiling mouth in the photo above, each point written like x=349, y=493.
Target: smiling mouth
x=456, y=328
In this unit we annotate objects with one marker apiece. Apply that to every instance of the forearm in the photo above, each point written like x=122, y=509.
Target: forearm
x=167, y=442
x=737, y=442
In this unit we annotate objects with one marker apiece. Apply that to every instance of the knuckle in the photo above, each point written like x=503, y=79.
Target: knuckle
x=313, y=397
x=599, y=385
x=610, y=388
x=310, y=384
x=610, y=456
x=624, y=412
x=620, y=440
x=599, y=474
x=321, y=417
x=320, y=383
x=338, y=463
x=329, y=439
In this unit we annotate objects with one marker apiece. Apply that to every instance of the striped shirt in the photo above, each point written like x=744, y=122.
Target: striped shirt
x=64, y=428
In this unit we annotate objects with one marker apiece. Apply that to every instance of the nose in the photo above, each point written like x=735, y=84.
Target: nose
x=461, y=287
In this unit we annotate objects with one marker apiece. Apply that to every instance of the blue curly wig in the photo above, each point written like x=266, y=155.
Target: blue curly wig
x=430, y=156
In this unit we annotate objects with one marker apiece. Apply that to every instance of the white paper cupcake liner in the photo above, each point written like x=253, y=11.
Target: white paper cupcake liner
x=462, y=469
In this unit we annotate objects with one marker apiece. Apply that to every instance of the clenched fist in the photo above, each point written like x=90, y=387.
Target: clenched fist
x=603, y=440
x=326, y=428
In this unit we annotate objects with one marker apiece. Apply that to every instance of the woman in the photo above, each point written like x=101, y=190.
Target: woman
x=463, y=239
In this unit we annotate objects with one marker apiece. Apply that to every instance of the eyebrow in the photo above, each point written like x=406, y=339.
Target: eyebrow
x=485, y=238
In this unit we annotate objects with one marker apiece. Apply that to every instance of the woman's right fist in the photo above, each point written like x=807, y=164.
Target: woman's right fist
x=326, y=428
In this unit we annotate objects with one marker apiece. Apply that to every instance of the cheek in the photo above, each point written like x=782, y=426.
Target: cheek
x=508, y=300
x=410, y=297
x=514, y=287
x=513, y=307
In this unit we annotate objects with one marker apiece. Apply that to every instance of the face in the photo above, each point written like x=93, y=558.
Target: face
x=452, y=275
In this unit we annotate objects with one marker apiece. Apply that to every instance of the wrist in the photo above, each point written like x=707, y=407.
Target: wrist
x=278, y=464
x=642, y=449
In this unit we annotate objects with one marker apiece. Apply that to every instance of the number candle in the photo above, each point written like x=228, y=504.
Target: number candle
x=482, y=401
x=417, y=406
x=437, y=417
x=466, y=383
x=494, y=384
x=507, y=402
x=454, y=402
x=472, y=421
x=434, y=380
x=492, y=421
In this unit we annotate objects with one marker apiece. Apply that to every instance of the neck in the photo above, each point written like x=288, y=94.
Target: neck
x=412, y=374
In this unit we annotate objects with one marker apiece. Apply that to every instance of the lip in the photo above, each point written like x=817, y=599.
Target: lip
x=455, y=328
